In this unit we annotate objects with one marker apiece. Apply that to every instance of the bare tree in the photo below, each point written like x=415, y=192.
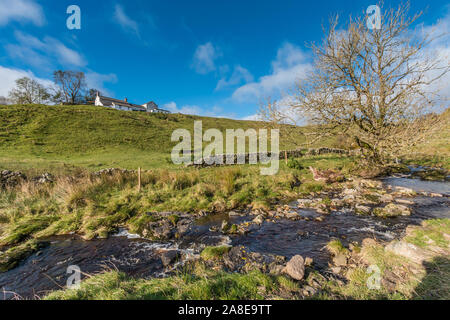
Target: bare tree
x=91, y=94
x=28, y=91
x=373, y=85
x=71, y=85
x=276, y=116
x=4, y=101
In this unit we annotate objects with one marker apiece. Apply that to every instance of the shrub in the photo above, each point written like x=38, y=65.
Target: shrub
x=213, y=253
x=294, y=164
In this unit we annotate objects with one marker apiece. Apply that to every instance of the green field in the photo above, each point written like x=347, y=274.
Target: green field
x=58, y=139
x=62, y=137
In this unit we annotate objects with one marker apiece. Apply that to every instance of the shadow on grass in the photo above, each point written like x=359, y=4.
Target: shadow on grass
x=436, y=283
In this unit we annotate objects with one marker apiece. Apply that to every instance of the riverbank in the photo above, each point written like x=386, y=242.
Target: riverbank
x=402, y=275
x=298, y=217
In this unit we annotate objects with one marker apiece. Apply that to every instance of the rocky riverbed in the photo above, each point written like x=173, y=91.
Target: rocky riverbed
x=272, y=241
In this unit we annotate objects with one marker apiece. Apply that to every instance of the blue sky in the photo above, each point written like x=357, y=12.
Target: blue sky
x=213, y=58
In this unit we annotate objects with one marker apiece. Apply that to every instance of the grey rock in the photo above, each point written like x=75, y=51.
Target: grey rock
x=393, y=210
x=340, y=260
x=225, y=226
x=43, y=178
x=360, y=209
x=169, y=257
x=259, y=219
x=295, y=268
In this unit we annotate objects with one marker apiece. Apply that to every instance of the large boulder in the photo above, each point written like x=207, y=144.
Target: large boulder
x=169, y=257
x=402, y=191
x=259, y=219
x=366, y=183
x=241, y=259
x=392, y=210
x=363, y=210
x=43, y=178
x=340, y=260
x=295, y=268
x=10, y=178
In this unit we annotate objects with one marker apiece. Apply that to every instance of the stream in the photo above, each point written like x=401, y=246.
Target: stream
x=45, y=270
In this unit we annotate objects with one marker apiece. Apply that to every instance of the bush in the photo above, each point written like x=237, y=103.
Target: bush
x=294, y=164
x=213, y=253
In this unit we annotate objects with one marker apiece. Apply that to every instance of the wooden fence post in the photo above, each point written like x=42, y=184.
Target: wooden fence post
x=139, y=179
x=285, y=157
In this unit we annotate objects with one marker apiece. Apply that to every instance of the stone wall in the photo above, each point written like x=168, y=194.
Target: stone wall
x=262, y=157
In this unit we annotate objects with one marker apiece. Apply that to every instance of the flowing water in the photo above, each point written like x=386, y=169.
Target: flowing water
x=46, y=270
x=308, y=238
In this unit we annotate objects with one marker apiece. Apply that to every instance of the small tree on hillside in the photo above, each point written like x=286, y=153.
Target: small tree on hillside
x=28, y=91
x=71, y=84
x=373, y=86
x=4, y=100
x=91, y=94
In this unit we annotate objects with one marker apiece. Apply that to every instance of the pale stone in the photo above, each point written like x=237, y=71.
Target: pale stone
x=295, y=268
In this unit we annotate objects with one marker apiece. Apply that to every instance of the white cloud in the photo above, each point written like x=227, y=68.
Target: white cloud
x=125, y=21
x=240, y=75
x=288, y=56
x=21, y=10
x=97, y=81
x=285, y=110
x=64, y=54
x=204, y=58
x=8, y=76
x=187, y=109
x=439, y=49
x=47, y=55
x=215, y=111
x=43, y=53
x=291, y=64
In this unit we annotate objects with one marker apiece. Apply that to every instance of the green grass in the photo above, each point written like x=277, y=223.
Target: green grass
x=197, y=284
x=95, y=206
x=336, y=247
x=409, y=280
x=10, y=258
x=72, y=141
x=433, y=232
x=214, y=253
x=436, y=151
x=62, y=138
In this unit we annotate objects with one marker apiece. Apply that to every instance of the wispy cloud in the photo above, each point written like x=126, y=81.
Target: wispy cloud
x=204, y=58
x=98, y=81
x=22, y=11
x=214, y=111
x=439, y=49
x=8, y=76
x=125, y=21
x=47, y=55
x=187, y=109
x=290, y=65
x=240, y=75
x=44, y=53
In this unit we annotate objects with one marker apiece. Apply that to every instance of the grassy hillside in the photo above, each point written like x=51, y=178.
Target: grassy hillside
x=436, y=151
x=54, y=137
x=61, y=138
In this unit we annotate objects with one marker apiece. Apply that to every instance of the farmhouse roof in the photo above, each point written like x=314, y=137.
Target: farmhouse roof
x=109, y=101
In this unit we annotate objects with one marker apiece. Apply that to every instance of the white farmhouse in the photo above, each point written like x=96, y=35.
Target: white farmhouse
x=126, y=106
x=153, y=108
